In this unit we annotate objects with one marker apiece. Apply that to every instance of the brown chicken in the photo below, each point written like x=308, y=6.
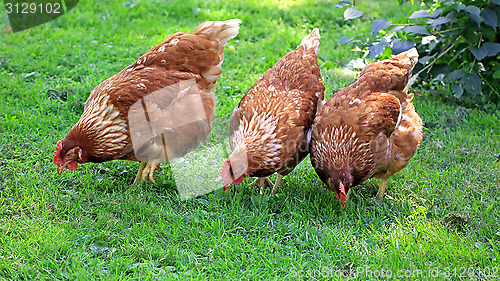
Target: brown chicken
x=157, y=109
x=368, y=129
x=270, y=126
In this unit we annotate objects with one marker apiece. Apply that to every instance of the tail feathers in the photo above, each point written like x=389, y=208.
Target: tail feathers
x=409, y=58
x=221, y=31
x=311, y=42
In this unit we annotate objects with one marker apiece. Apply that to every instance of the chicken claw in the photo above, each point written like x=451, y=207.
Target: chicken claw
x=149, y=171
x=146, y=170
x=262, y=182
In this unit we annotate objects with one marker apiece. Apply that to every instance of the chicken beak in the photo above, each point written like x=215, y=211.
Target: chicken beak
x=61, y=168
x=342, y=202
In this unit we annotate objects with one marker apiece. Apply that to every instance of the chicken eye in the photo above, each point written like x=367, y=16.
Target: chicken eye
x=68, y=155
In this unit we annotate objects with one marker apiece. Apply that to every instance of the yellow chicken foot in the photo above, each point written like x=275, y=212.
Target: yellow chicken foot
x=149, y=171
x=381, y=190
x=277, y=183
x=138, y=179
x=262, y=182
x=141, y=174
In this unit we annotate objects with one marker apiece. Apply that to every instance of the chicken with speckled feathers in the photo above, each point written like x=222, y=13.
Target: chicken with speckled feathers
x=368, y=129
x=180, y=71
x=269, y=131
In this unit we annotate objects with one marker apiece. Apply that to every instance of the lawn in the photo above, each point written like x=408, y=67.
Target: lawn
x=441, y=220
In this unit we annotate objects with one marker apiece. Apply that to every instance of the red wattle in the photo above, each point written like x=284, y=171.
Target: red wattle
x=238, y=180
x=72, y=166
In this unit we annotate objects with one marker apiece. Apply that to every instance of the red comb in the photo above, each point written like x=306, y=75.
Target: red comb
x=57, y=159
x=226, y=166
x=225, y=172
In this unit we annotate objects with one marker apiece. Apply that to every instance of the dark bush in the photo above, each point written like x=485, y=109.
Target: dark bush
x=457, y=42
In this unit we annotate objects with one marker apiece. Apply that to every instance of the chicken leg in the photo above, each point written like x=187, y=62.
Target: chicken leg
x=138, y=179
x=277, y=183
x=262, y=182
x=381, y=190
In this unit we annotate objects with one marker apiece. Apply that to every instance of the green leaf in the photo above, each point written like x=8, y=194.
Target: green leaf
x=424, y=60
x=470, y=36
x=490, y=207
x=477, y=52
x=436, y=13
x=397, y=28
x=473, y=10
x=472, y=83
x=458, y=7
x=380, y=24
x=486, y=50
x=492, y=49
x=455, y=75
x=327, y=65
x=420, y=14
x=352, y=13
x=439, y=21
x=375, y=50
x=497, y=10
x=385, y=41
x=387, y=53
x=490, y=18
x=399, y=45
x=496, y=75
x=417, y=29
x=474, y=13
x=489, y=35
x=345, y=39
x=457, y=90
x=343, y=3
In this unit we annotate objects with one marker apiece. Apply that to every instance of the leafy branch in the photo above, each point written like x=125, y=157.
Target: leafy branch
x=457, y=42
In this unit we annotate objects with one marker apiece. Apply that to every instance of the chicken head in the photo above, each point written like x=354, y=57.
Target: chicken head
x=69, y=159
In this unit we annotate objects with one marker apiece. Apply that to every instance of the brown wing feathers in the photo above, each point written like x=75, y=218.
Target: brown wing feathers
x=273, y=118
x=368, y=128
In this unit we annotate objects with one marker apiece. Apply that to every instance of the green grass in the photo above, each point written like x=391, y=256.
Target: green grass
x=444, y=208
